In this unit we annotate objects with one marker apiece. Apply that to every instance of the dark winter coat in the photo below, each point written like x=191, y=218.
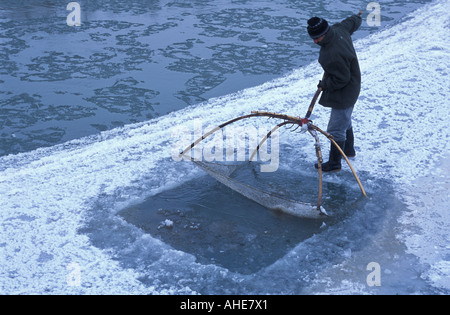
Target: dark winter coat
x=340, y=63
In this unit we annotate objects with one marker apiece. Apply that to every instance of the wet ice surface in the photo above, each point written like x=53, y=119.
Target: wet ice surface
x=219, y=226
x=238, y=247
x=61, y=205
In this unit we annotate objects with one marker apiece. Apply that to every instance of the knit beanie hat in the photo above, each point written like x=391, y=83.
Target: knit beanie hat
x=317, y=27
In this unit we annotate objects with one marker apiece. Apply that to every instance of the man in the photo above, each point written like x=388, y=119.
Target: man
x=341, y=84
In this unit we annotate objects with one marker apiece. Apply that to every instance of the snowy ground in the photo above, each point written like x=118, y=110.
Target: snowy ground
x=401, y=119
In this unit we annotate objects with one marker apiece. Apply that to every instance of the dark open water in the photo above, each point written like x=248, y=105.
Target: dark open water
x=131, y=61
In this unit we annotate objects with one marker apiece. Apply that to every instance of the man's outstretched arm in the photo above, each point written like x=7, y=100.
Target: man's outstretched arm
x=352, y=23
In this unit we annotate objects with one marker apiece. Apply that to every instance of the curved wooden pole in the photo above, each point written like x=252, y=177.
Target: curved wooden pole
x=203, y=137
x=330, y=137
x=319, y=164
x=292, y=119
x=267, y=137
x=279, y=116
x=288, y=119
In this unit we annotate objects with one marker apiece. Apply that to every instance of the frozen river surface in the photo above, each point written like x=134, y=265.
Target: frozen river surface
x=68, y=212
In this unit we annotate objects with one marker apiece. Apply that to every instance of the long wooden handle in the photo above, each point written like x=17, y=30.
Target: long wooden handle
x=314, y=100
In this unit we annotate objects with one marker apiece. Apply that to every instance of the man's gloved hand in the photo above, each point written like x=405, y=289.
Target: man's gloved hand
x=322, y=85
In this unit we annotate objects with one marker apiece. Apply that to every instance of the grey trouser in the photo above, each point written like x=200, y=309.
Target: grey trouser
x=340, y=122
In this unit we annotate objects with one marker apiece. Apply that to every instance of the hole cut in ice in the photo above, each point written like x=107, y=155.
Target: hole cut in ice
x=220, y=226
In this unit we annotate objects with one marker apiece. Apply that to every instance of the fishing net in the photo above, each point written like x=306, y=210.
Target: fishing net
x=222, y=173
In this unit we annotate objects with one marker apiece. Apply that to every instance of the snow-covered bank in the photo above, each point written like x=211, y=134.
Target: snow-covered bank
x=401, y=123
x=426, y=231
x=410, y=90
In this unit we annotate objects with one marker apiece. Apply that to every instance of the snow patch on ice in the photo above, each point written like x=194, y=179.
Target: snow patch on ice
x=427, y=224
x=166, y=223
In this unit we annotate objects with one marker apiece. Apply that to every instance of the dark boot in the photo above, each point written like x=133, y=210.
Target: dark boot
x=334, y=163
x=349, y=149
